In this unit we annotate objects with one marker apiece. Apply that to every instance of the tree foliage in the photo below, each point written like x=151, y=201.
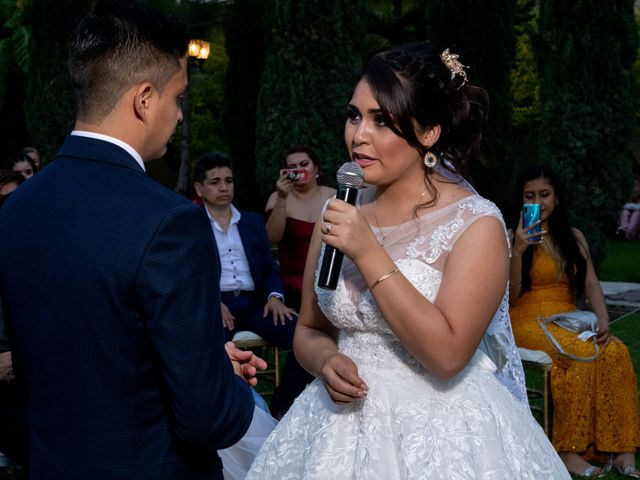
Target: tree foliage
x=245, y=48
x=15, y=38
x=585, y=58
x=307, y=80
x=14, y=43
x=207, y=99
x=483, y=34
x=391, y=23
x=49, y=105
x=525, y=87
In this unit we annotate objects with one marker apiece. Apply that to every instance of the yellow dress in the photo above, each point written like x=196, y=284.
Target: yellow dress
x=595, y=407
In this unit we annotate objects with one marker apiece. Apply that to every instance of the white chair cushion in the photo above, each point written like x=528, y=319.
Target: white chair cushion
x=535, y=356
x=243, y=336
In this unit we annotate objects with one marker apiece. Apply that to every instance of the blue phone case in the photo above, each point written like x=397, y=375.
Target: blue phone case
x=531, y=214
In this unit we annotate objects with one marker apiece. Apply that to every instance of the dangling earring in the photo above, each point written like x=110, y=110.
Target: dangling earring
x=430, y=160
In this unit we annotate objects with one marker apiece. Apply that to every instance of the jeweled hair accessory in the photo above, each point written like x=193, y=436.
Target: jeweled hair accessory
x=454, y=65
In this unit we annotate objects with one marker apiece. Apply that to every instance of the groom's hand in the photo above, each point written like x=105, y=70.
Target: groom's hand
x=245, y=363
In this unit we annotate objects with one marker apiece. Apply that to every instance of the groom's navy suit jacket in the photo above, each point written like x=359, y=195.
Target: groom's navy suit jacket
x=113, y=307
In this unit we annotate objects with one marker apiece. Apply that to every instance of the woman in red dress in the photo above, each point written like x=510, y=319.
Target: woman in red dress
x=292, y=211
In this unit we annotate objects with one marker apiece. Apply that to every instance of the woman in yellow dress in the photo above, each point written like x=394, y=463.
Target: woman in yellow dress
x=595, y=409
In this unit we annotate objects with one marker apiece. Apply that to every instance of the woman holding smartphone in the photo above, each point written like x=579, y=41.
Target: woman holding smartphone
x=292, y=211
x=595, y=414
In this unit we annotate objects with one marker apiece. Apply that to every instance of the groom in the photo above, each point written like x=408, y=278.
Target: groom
x=108, y=285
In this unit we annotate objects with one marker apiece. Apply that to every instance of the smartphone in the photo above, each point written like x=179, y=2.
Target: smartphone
x=295, y=174
x=531, y=214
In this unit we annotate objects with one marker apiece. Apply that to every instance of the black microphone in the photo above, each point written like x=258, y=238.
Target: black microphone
x=350, y=177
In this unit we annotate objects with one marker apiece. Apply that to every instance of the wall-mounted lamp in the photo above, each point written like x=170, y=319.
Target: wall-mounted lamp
x=199, y=51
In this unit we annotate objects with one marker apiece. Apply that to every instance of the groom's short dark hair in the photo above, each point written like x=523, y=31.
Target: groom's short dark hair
x=118, y=44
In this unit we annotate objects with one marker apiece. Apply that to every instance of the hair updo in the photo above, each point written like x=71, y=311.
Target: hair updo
x=411, y=84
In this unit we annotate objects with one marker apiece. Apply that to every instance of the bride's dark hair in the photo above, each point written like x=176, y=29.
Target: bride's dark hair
x=411, y=84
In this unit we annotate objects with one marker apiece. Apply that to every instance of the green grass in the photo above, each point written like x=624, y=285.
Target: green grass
x=622, y=263
x=627, y=330
x=266, y=381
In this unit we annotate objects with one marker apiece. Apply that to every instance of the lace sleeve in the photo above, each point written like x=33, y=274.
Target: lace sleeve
x=498, y=343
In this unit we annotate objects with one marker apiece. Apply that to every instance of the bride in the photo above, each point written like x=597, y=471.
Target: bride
x=418, y=375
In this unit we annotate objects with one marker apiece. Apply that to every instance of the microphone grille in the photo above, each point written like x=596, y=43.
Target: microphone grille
x=351, y=175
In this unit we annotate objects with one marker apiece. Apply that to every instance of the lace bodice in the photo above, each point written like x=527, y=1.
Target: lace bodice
x=411, y=424
x=420, y=248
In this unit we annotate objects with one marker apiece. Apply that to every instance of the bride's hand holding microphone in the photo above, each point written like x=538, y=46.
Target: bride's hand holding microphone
x=345, y=228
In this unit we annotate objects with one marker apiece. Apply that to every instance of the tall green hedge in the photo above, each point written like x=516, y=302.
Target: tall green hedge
x=483, y=34
x=245, y=48
x=15, y=37
x=585, y=56
x=49, y=105
x=307, y=80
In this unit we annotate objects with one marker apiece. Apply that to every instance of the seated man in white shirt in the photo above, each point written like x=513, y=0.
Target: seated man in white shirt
x=250, y=284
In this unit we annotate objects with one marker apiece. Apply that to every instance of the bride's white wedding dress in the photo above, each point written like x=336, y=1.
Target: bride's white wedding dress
x=412, y=425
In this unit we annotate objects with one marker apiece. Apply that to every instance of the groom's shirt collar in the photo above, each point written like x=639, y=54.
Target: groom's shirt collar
x=98, y=136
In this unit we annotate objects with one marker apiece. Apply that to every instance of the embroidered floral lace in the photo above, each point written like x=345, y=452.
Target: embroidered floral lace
x=412, y=425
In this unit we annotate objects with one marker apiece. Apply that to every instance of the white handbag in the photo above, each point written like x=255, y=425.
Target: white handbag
x=581, y=322
x=576, y=321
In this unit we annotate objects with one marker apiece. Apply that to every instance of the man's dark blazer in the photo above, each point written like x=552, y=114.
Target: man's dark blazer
x=114, y=312
x=263, y=267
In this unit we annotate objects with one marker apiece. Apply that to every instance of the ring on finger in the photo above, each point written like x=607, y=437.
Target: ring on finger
x=328, y=227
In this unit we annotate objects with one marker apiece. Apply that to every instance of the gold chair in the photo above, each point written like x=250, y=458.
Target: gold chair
x=538, y=362
x=250, y=341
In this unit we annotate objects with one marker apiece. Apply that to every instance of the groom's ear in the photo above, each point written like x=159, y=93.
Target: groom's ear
x=142, y=99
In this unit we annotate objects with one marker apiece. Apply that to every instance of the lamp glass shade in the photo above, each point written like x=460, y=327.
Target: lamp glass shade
x=199, y=49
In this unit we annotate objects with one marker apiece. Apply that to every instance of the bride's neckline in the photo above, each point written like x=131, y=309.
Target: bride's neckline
x=424, y=216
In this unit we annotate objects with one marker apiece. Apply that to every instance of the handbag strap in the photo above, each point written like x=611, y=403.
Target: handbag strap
x=556, y=345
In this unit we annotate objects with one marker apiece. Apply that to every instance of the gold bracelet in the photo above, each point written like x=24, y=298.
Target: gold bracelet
x=383, y=278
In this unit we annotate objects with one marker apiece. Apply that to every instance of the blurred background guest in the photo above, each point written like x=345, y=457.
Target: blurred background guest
x=22, y=163
x=250, y=285
x=292, y=211
x=629, y=219
x=595, y=412
x=34, y=155
x=14, y=439
x=9, y=181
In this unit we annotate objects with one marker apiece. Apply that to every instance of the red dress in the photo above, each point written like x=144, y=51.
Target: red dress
x=292, y=256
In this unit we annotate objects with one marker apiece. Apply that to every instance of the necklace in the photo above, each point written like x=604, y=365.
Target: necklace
x=375, y=218
x=383, y=237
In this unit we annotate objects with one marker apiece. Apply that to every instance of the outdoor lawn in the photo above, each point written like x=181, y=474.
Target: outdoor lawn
x=622, y=263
